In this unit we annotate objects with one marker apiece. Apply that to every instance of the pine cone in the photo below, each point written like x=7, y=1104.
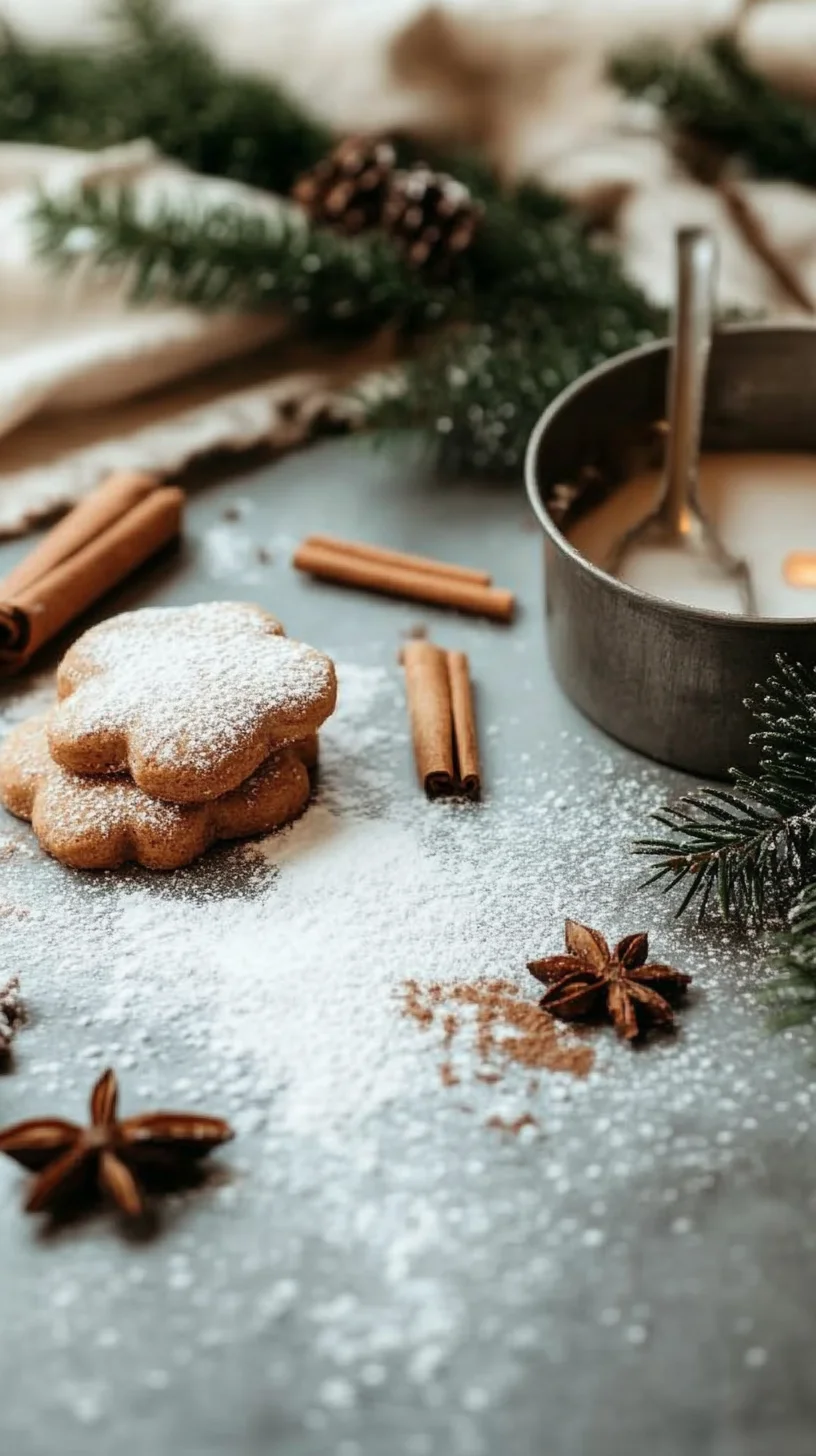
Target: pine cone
x=431, y=216
x=348, y=189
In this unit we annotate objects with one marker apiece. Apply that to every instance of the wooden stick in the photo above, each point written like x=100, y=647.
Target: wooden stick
x=466, y=746
x=443, y=591
x=386, y=557
x=757, y=237
x=429, y=705
x=39, y=610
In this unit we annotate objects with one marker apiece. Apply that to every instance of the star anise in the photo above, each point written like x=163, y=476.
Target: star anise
x=111, y=1158
x=591, y=978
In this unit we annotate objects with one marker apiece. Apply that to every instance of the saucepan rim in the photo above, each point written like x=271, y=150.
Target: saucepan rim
x=727, y=620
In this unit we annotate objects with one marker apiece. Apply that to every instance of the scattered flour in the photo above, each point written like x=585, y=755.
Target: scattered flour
x=308, y=960
x=230, y=554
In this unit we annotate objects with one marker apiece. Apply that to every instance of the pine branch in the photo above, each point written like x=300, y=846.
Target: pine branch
x=156, y=79
x=50, y=95
x=792, y=997
x=713, y=94
x=480, y=393
x=551, y=263
x=220, y=122
x=512, y=262
x=542, y=304
x=530, y=200
x=547, y=307
x=224, y=257
x=755, y=846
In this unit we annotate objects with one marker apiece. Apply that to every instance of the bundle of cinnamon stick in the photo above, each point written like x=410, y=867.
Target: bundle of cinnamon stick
x=114, y=530
x=400, y=574
x=443, y=722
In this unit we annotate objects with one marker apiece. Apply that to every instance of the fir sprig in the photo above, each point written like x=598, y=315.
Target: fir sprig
x=480, y=393
x=536, y=306
x=534, y=303
x=712, y=93
x=550, y=262
x=792, y=997
x=156, y=79
x=223, y=256
x=754, y=846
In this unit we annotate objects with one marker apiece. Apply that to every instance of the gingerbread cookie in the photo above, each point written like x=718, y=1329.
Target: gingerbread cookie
x=187, y=700
x=308, y=751
x=98, y=823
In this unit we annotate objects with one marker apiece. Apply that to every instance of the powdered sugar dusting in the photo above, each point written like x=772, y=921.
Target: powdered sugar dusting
x=95, y=822
x=398, y=1248
x=187, y=687
x=27, y=700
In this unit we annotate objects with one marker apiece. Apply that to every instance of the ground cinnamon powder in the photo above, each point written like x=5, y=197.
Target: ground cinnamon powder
x=535, y=1039
x=13, y=912
x=516, y=1126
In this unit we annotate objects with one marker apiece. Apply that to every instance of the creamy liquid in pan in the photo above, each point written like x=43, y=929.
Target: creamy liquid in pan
x=764, y=509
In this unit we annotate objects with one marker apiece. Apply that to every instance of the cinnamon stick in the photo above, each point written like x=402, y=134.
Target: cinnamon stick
x=429, y=705
x=386, y=557
x=100, y=509
x=443, y=724
x=94, y=548
x=420, y=586
x=465, y=742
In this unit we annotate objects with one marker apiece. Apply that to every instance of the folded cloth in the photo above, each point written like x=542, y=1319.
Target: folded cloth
x=73, y=350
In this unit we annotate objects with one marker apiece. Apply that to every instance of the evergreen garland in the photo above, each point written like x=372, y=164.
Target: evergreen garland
x=536, y=305
x=481, y=394
x=222, y=257
x=792, y=997
x=156, y=80
x=713, y=94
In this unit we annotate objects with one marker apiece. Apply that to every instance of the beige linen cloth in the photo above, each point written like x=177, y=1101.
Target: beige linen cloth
x=88, y=384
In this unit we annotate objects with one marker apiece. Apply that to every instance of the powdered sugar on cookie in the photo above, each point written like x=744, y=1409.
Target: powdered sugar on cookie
x=188, y=700
x=99, y=823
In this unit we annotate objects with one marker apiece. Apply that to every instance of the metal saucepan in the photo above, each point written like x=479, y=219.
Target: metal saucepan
x=668, y=680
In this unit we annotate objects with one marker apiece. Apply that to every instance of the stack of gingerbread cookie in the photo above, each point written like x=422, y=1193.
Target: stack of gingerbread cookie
x=173, y=728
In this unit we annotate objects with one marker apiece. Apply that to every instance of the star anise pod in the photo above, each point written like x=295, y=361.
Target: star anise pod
x=111, y=1158
x=591, y=978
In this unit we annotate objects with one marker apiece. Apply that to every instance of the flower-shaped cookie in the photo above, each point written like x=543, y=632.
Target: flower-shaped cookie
x=187, y=700
x=98, y=823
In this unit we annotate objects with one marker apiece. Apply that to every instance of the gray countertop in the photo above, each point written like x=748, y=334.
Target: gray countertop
x=373, y=1269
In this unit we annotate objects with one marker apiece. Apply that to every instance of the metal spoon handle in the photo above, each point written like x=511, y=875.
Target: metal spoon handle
x=692, y=331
